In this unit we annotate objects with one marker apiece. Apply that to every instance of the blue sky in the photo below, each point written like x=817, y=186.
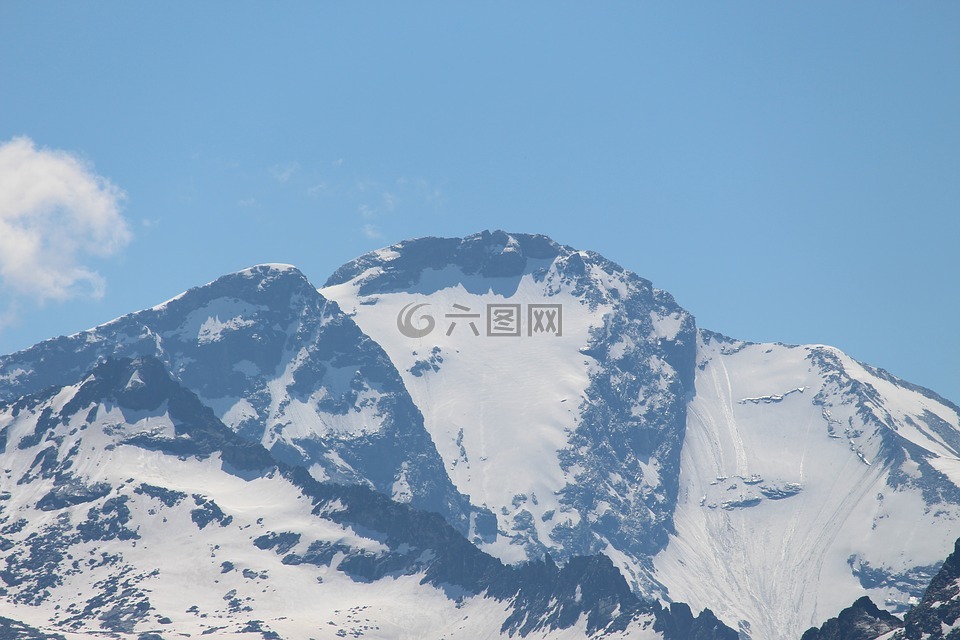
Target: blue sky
x=789, y=171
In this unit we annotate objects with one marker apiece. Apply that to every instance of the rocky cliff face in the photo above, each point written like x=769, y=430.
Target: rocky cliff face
x=937, y=616
x=863, y=620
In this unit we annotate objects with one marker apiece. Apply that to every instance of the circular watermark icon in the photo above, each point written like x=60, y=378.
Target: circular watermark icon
x=405, y=321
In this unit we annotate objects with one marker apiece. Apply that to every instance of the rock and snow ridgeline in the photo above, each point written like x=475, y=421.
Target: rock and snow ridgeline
x=560, y=407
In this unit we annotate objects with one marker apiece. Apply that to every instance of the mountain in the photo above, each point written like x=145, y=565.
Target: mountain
x=550, y=409
x=279, y=364
x=772, y=483
x=130, y=509
x=808, y=480
x=571, y=437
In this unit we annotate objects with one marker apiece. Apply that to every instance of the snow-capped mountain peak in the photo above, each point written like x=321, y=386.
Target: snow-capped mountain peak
x=548, y=404
x=796, y=462
x=560, y=424
x=282, y=366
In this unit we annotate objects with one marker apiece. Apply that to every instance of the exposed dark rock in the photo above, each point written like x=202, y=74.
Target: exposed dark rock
x=939, y=609
x=71, y=493
x=861, y=621
x=208, y=511
x=16, y=630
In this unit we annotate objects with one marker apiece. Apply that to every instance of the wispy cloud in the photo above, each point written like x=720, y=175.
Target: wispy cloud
x=318, y=189
x=284, y=172
x=378, y=200
x=430, y=193
x=9, y=315
x=55, y=213
x=365, y=185
x=372, y=231
x=382, y=201
x=389, y=201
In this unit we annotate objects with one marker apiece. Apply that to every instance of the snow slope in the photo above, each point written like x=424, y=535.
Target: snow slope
x=499, y=439
x=562, y=437
x=775, y=484
x=129, y=509
x=807, y=481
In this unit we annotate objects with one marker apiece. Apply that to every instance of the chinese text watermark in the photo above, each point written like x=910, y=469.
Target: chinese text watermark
x=500, y=320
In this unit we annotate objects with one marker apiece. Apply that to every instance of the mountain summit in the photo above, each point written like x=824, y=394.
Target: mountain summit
x=569, y=432
x=540, y=401
x=279, y=364
x=772, y=483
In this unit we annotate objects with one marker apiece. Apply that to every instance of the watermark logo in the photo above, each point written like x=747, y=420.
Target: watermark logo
x=545, y=318
x=405, y=321
x=502, y=320
x=464, y=314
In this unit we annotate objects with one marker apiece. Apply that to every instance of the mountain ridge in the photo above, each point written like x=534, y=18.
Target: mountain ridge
x=278, y=347
x=537, y=597
x=710, y=470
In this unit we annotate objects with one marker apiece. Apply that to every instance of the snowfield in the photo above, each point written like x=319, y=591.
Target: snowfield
x=459, y=438
x=499, y=409
x=784, y=563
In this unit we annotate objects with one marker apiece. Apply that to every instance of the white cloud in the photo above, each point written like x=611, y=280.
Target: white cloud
x=55, y=213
